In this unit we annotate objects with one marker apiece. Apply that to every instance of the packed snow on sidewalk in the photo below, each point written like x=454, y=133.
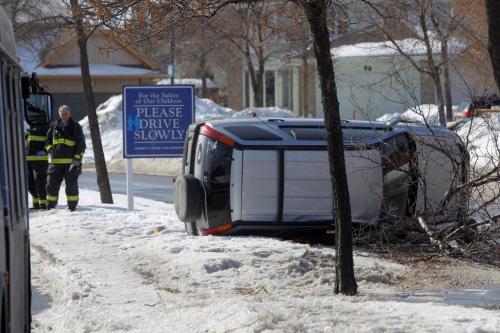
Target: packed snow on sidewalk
x=103, y=269
x=109, y=115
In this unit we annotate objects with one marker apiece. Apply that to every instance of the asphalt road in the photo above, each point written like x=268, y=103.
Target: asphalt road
x=159, y=188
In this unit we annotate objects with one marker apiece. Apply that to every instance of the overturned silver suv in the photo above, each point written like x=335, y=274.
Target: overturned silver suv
x=273, y=174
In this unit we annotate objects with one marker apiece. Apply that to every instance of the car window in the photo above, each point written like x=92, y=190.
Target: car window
x=396, y=156
x=395, y=152
x=218, y=163
x=252, y=133
x=216, y=180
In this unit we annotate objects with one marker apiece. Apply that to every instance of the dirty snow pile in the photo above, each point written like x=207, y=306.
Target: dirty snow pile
x=423, y=114
x=481, y=135
x=103, y=269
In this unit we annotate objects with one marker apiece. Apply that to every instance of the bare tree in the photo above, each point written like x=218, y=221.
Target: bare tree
x=315, y=12
x=493, y=14
x=255, y=37
x=429, y=23
x=83, y=34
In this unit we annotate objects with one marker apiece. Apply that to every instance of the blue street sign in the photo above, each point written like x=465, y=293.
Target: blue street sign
x=156, y=119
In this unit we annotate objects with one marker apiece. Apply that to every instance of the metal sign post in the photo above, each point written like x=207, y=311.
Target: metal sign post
x=155, y=122
x=130, y=185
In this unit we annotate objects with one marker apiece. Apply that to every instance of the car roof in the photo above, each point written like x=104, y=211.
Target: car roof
x=364, y=132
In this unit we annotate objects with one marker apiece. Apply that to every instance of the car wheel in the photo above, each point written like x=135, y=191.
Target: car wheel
x=191, y=229
x=188, y=198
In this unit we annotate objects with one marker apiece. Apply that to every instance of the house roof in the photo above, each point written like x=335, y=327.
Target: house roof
x=410, y=46
x=96, y=71
x=70, y=39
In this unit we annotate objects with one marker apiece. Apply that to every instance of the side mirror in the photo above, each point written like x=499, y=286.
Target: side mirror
x=38, y=109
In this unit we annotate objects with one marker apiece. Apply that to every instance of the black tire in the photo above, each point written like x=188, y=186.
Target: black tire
x=188, y=198
x=191, y=228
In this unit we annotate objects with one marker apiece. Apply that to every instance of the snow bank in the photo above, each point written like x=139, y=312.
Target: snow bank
x=109, y=115
x=423, y=114
x=207, y=109
x=106, y=270
x=269, y=112
x=481, y=136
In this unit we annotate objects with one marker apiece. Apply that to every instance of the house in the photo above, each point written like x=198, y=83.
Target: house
x=372, y=77
x=113, y=64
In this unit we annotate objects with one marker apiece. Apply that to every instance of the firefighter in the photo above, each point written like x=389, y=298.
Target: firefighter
x=65, y=145
x=37, y=161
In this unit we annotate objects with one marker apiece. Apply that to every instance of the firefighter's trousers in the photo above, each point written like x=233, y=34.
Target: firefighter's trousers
x=37, y=182
x=58, y=172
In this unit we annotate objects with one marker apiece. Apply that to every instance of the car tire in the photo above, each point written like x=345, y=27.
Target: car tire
x=191, y=228
x=188, y=198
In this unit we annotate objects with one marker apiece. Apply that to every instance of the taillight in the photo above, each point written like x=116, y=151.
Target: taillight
x=217, y=230
x=468, y=113
x=210, y=132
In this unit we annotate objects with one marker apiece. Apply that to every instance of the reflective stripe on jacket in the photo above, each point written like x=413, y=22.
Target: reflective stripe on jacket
x=65, y=143
x=35, y=143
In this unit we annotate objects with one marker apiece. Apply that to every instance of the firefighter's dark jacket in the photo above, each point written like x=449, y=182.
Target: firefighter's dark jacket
x=65, y=143
x=35, y=143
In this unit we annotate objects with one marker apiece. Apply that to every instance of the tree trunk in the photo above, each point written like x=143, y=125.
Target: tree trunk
x=344, y=267
x=305, y=87
x=203, y=74
x=433, y=69
x=255, y=80
x=447, y=79
x=100, y=162
x=493, y=13
x=436, y=77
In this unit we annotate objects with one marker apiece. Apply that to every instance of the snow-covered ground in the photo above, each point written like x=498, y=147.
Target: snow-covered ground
x=482, y=138
x=103, y=269
x=109, y=114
